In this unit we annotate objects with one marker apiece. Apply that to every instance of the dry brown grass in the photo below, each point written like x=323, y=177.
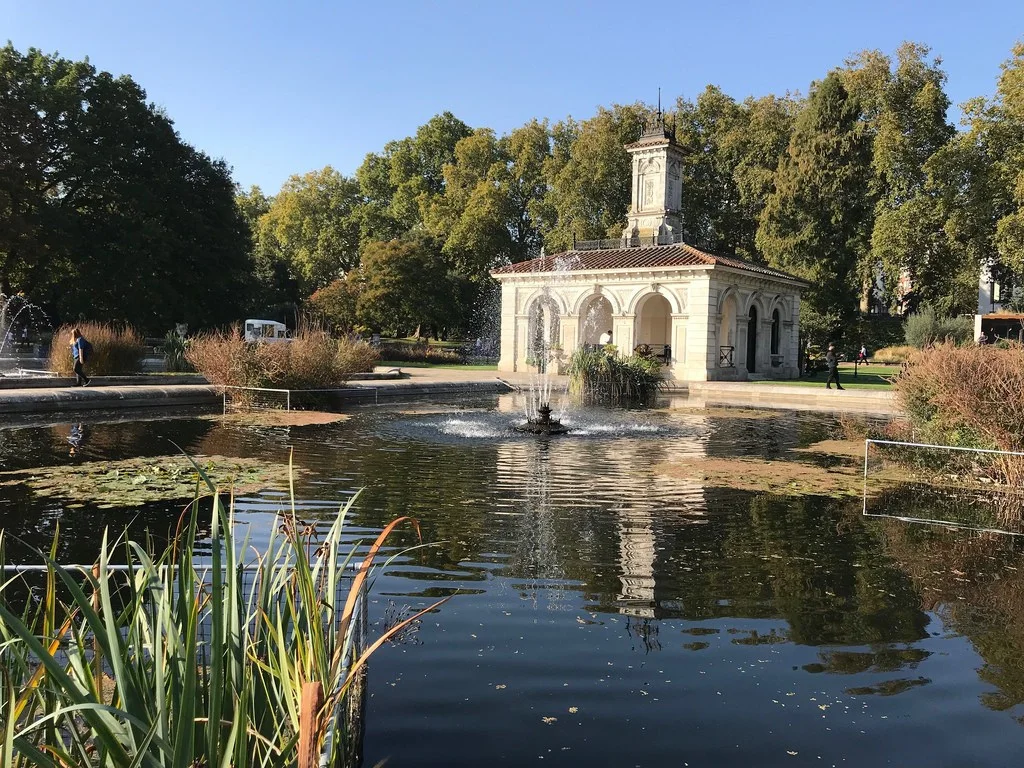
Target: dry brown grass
x=893, y=355
x=968, y=396
x=116, y=349
x=311, y=360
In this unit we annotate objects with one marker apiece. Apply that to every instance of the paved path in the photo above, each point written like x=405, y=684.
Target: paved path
x=432, y=381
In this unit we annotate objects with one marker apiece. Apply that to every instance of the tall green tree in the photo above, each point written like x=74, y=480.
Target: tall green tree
x=104, y=212
x=400, y=184
x=312, y=226
x=817, y=222
x=589, y=185
x=904, y=109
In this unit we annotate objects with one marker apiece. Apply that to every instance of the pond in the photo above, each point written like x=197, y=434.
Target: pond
x=606, y=610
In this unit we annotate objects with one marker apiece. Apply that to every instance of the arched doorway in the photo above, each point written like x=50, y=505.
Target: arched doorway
x=654, y=325
x=595, y=320
x=543, y=332
x=752, y=340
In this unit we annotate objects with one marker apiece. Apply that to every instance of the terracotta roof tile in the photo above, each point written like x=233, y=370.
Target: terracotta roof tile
x=642, y=257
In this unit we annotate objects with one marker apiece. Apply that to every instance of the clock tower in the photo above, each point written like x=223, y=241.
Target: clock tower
x=657, y=186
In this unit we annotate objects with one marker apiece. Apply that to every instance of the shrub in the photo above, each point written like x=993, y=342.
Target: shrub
x=312, y=359
x=926, y=327
x=893, y=354
x=116, y=349
x=968, y=396
x=598, y=377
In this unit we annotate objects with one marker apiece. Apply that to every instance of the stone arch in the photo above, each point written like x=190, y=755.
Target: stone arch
x=756, y=299
x=678, y=307
x=595, y=318
x=724, y=296
x=585, y=299
x=653, y=324
x=543, y=330
x=553, y=295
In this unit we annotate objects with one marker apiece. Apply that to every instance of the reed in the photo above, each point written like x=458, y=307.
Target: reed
x=181, y=661
x=116, y=349
x=595, y=377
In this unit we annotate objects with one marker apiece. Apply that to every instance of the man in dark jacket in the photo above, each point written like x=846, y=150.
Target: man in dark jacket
x=832, y=363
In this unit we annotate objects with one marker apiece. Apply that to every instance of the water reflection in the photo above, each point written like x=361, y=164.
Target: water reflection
x=589, y=580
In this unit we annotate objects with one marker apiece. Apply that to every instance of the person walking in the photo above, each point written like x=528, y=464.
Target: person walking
x=80, y=349
x=832, y=363
x=863, y=354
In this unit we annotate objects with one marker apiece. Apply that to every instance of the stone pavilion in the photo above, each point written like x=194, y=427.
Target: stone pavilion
x=707, y=317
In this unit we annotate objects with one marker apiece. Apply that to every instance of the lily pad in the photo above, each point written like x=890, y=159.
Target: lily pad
x=134, y=482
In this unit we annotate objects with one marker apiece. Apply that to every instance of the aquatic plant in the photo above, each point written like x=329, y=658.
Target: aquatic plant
x=175, y=346
x=311, y=359
x=241, y=660
x=116, y=349
x=599, y=377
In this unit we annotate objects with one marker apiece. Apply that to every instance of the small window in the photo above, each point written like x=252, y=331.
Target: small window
x=776, y=332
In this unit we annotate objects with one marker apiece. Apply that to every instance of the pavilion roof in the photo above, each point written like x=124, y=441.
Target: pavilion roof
x=637, y=257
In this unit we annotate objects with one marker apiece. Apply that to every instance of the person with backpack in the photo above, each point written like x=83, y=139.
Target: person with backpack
x=80, y=351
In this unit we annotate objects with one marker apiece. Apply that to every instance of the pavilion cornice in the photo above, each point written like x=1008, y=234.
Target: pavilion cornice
x=687, y=272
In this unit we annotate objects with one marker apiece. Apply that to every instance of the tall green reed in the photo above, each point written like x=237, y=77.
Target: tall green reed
x=180, y=660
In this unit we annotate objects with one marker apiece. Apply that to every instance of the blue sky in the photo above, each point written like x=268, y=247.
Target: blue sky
x=285, y=86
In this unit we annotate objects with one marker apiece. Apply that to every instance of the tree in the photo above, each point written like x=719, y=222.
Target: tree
x=274, y=284
x=106, y=212
x=313, y=226
x=816, y=223
x=400, y=184
x=336, y=303
x=589, y=186
x=405, y=286
x=711, y=214
x=904, y=111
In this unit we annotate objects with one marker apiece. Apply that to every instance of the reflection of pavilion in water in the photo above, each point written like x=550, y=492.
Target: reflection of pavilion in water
x=615, y=475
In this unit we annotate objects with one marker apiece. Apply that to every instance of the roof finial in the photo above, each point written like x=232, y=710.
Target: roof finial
x=659, y=101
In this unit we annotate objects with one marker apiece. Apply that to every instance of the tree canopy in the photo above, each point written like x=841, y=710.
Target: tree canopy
x=104, y=212
x=862, y=187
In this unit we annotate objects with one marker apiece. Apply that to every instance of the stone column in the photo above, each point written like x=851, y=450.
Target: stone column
x=507, y=359
x=624, y=333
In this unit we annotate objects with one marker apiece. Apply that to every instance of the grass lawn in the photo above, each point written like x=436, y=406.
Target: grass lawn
x=868, y=377
x=453, y=366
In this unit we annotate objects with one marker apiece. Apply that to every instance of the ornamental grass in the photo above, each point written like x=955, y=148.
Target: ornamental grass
x=116, y=349
x=968, y=396
x=311, y=359
x=185, y=658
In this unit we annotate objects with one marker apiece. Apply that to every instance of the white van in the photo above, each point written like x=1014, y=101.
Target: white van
x=265, y=330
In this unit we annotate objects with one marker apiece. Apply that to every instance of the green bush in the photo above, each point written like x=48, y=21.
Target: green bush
x=926, y=327
x=599, y=377
x=116, y=349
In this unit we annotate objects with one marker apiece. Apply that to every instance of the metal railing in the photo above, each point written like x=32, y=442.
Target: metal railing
x=625, y=242
x=725, y=357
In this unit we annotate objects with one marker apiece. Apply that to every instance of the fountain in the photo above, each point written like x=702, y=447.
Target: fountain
x=542, y=423
x=11, y=309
